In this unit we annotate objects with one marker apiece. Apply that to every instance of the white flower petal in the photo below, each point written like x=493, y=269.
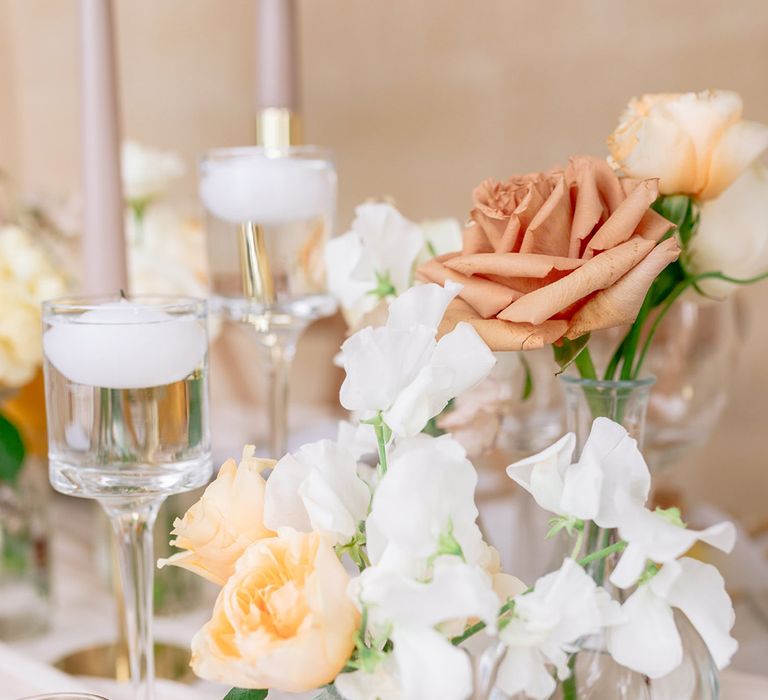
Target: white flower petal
x=524, y=670
x=653, y=537
x=389, y=242
x=380, y=363
x=698, y=590
x=428, y=491
x=382, y=684
x=424, y=304
x=610, y=474
x=732, y=236
x=647, y=641
x=543, y=474
x=430, y=667
x=317, y=488
x=740, y=146
x=342, y=254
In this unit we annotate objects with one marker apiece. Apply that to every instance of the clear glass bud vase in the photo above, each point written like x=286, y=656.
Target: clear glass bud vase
x=596, y=676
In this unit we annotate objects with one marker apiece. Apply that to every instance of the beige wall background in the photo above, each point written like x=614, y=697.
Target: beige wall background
x=420, y=99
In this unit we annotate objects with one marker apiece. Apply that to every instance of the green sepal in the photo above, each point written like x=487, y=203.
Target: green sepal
x=245, y=694
x=682, y=211
x=567, y=351
x=11, y=451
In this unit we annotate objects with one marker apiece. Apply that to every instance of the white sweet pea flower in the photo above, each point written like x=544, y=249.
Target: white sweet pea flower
x=147, y=172
x=425, y=506
x=610, y=474
x=400, y=369
x=547, y=622
x=317, y=488
x=653, y=536
x=373, y=260
x=424, y=664
x=647, y=640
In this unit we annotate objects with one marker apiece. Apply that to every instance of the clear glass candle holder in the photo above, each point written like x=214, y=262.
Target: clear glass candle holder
x=269, y=214
x=127, y=409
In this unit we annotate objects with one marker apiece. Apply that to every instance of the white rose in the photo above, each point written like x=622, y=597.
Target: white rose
x=732, y=237
x=696, y=143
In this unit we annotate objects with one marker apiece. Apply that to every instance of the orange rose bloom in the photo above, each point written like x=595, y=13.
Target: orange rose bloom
x=555, y=254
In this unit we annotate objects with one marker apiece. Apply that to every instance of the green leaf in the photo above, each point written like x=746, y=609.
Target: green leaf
x=328, y=693
x=244, y=694
x=528, y=381
x=568, y=350
x=11, y=451
x=682, y=211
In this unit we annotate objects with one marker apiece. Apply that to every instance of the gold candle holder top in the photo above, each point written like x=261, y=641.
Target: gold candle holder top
x=278, y=127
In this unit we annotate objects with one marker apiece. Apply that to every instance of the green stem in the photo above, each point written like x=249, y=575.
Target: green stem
x=633, y=338
x=382, y=443
x=569, y=684
x=673, y=296
x=613, y=365
x=603, y=553
x=585, y=365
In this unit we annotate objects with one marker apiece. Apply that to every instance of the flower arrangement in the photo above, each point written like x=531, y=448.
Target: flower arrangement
x=367, y=579
x=358, y=568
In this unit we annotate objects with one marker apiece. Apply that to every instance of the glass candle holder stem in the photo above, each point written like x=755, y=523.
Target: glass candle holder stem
x=132, y=523
x=277, y=353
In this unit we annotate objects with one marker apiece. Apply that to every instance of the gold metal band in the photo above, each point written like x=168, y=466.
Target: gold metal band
x=277, y=127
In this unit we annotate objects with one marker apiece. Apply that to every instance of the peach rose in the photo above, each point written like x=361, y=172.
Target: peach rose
x=556, y=254
x=227, y=519
x=283, y=621
x=696, y=143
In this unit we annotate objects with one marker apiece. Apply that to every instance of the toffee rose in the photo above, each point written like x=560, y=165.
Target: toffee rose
x=555, y=255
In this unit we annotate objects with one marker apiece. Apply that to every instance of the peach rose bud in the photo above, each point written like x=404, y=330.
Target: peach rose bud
x=283, y=621
x=227, y=519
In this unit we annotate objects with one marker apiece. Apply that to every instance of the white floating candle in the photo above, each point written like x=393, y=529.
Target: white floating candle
x=267, y=190
x=125, y=345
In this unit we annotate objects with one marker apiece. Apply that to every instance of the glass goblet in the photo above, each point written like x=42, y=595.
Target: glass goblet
x=269, y=214
x=127, y=410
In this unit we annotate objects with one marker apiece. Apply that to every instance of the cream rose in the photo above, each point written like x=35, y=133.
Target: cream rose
x=555, y=254
x=283, y=621
x=228, y=518
x=696, y=143
x=732, y=237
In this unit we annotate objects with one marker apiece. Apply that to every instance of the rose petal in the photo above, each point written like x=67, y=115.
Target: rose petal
x=502, y=335
x=598, y=273
x=485, y=296
x=739, y=147
x=620, y=303
x=511, y=264
x=621, y=224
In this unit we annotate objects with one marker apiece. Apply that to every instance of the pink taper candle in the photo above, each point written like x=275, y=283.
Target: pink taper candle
x=276, y=55
x=103, y=242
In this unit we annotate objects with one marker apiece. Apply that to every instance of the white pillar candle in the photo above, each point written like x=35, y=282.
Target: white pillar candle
x=125, y=345
x=267, y=190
